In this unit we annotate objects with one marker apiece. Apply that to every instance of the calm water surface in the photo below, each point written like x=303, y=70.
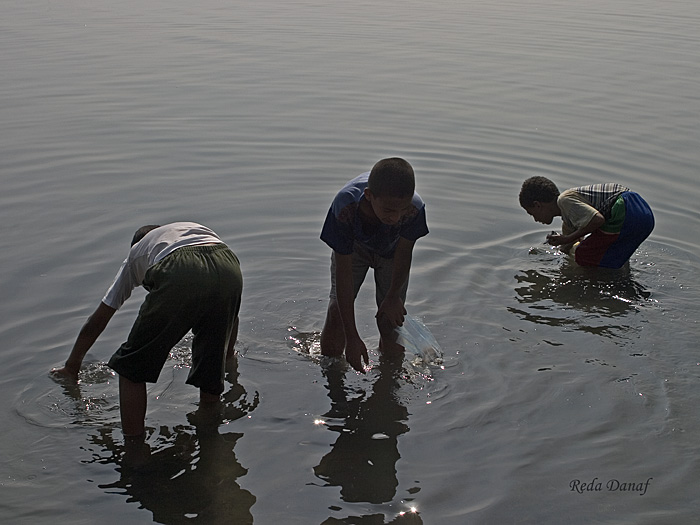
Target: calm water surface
x=248, y=118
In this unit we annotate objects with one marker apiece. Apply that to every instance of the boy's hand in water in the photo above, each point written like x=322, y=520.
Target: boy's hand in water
x=64, y=372
x=564, y=242
x=392, y=310
x=554, y=238
x=355, y=353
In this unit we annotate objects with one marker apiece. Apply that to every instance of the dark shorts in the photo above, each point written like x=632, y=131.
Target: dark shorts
x=612, y=250
x=362, y=261
x=194, y=288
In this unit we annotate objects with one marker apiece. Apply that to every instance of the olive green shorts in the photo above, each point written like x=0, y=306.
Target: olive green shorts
x=194, y=288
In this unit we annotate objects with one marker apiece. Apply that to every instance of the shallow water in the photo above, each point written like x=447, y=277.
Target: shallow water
x=248, y=118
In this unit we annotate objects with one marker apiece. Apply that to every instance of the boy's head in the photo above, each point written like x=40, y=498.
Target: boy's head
x=392, y=178
x=142, y=231
x=538, y=196
x=390, y=189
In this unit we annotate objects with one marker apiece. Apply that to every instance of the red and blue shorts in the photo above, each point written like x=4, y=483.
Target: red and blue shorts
x=633, y=222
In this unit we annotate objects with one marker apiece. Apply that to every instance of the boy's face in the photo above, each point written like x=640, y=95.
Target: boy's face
x=543, y=212
x=389, y=210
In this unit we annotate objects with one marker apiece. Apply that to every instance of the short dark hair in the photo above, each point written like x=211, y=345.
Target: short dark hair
x=142, y=231
x=539, y=189
x=392, y=177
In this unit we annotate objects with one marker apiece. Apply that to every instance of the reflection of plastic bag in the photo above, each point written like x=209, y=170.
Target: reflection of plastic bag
x=415, y=337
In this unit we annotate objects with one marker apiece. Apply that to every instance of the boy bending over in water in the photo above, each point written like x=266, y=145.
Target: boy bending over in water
x=194, y=282
x=374, y=222
x=603, y=223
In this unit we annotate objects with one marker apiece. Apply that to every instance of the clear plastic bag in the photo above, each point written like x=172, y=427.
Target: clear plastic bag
x=415, y=337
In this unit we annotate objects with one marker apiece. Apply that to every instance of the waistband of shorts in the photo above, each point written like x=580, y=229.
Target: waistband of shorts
x=203, y=248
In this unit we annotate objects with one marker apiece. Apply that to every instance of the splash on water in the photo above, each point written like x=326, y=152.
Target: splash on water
x=422, y=358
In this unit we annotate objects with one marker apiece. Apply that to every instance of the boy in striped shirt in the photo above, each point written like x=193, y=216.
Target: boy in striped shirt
x=603, y=224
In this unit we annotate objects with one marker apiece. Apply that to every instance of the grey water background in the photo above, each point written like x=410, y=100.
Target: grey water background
x=248, y=117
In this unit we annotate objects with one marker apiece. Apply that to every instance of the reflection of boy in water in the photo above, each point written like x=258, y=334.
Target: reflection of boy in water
x=608, y=221
x=189, y=474
x=373, y=221
x=194, y=283
x=362, y=461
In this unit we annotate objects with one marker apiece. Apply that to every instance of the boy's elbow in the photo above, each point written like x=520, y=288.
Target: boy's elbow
x=597, y=221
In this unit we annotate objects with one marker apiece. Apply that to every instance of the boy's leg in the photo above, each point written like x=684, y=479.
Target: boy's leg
x=333, y=334
x=207, y=397
x=220, y=286
x=132, y=407
x=383, y=272
x=387, y=338
x=141, y=358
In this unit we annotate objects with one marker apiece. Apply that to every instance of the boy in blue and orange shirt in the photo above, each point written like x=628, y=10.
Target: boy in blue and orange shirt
x=374, y=221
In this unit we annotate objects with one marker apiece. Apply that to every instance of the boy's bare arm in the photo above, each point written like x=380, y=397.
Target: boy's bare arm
x=87, y=336
x=392, y=306
x=355, y=349
x=569, y=238
x=566, y=230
